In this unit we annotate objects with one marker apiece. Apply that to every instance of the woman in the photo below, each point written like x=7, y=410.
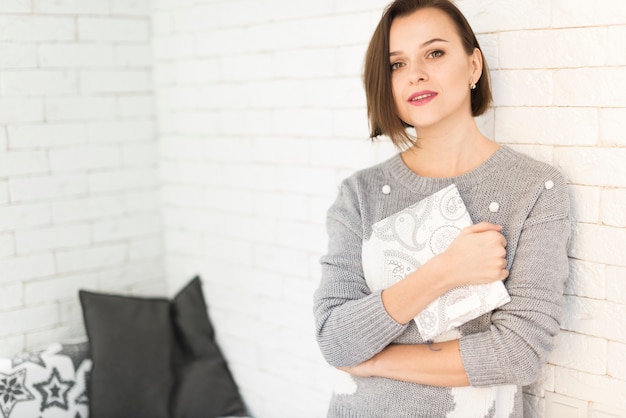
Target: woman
x=425, y=71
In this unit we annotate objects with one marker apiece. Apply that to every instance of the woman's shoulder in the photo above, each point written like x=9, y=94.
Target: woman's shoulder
x=530, y=169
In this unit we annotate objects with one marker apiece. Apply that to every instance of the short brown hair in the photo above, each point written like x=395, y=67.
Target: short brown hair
x=381, y=108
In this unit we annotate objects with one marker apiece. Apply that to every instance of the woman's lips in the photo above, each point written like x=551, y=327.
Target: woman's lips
x=421, y=97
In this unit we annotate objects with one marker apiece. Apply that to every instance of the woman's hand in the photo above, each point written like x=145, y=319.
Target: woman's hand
x=476, y=256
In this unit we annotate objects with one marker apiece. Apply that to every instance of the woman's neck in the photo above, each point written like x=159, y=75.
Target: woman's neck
x=448, y=154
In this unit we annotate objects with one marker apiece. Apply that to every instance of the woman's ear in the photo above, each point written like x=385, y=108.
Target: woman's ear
x=476, y=66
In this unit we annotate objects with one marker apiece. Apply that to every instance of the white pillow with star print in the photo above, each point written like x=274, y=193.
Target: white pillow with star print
x=404, y=241
x=50, y=383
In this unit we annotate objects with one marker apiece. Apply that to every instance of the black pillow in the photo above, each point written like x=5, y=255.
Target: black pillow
x=130, y=343
x=205, y=387
x=152, y=357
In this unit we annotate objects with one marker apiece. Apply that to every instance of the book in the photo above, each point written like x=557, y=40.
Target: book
x=404, y=241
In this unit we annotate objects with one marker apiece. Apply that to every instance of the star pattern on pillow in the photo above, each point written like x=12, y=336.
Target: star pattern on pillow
x=54, y=391
x=12, y=391
x=28, y=357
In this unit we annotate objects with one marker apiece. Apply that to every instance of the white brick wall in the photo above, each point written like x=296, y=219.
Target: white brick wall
x=78, y=163
x=260, y=113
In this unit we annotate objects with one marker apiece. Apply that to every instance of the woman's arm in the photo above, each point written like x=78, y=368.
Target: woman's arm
x=436, y=364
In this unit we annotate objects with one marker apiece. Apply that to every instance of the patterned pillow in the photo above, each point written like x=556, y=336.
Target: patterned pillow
x=48, y=383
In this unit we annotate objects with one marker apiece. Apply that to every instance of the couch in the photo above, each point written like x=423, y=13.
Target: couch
x=143, y=357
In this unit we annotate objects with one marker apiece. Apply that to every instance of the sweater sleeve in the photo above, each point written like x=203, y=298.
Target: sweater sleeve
x=351, y=322
x=522, y=332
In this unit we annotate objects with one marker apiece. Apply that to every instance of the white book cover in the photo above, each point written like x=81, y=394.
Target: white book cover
x=404, y=241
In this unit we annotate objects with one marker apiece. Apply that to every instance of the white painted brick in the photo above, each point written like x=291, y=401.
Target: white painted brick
x=142, y=201
x=595, y=318
x=565, y=407
x=185, y=242
x=7, y=246
x=612, y=126
x=615, y=357
x=21, y=110
x=576, y=48
x=180, y=46
x=115, y=81
x=281, y=206
x=136, y=106
x=585, y=203
x=592, y=166
x=22, y=162
x=112, y=29
x=24, y=216
x=290, y=234
x=28, y=267
x=136, y=130
x=305, y=180
x=229, y=201
x=88, y=208
x=196, y=123
x=93, y=258
x=188, y=148
x=70, y=7
x=149, y=248
x=564, y=15
x=16, y=6
x=80, y=108
x=28, y=319
x=58, y=288
x=36, y=240
x=237, y=67
x=9, y=346
x=586, y=279
x=140, y=154
x=131, y=7
x=4, y=192
x=126, y=228
x=202, y=71
x=126, y=179
x=11, y=296
x=598, y=243
x=558, y=125
x=18, y=55
x=348, y=60
x=592, y=388
x=489, y=45
x=612, y=205
x=125, y=278
x=260, y=122
x=193, y=173
x=133, y=55
x=616, y=54
x=266, y=178
x=497, y=15
x=602, y=87
x=604, y=411
x=280, y=260
x=522, y=87
x=75, y=55
x=616, y=284
x=162, y=22
x=39, y=82
x=36, y=28
x=85, y=157
x=609, y=12
x=46, y=187
x=194, y=19
x=580, y=352
x=48, y=135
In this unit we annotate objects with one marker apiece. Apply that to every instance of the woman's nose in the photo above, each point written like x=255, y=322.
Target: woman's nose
x=416, y=74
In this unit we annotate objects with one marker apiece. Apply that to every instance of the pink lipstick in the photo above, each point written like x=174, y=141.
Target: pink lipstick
x=421, y=97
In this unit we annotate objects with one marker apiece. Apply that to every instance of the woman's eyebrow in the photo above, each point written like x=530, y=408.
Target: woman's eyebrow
x=424, y=45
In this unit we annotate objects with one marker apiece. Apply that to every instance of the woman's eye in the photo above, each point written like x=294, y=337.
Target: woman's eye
x=396, y=66
x=436, y=54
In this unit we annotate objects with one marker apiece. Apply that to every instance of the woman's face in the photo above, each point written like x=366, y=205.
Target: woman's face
x=431, y=73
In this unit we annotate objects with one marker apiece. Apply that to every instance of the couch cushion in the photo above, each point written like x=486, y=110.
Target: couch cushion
x=157, y=357
x=46, y=383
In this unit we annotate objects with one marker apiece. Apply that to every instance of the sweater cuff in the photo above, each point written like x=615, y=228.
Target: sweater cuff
x=478, y=354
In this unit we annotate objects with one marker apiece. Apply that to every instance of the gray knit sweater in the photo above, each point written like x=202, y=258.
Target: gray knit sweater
x=502, y=350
